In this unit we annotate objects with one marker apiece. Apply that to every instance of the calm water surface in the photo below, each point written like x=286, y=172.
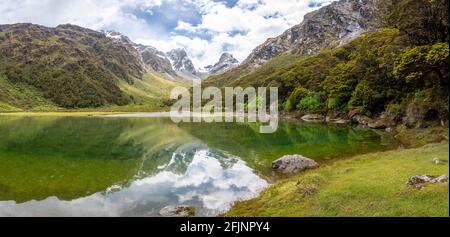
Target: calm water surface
x=92, y=166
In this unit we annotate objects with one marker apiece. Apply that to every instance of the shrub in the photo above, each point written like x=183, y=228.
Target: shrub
x=314, y=102
x=336, y=104
x=294, y=98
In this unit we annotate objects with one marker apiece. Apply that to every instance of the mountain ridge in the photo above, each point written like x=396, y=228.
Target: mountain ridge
x=176, y=62
x=328, y=27
x=73, y=67
x=331, y=25
x=225, y=63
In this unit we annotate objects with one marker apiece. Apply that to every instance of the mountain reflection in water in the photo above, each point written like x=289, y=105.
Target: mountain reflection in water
x=90, y=166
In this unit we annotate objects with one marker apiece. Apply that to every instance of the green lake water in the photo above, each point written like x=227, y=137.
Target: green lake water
x=98, y=166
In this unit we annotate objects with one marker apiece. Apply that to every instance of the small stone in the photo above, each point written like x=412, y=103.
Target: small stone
x=337, y=120
x=438, y=161
x=177, y=211
x=313, y=118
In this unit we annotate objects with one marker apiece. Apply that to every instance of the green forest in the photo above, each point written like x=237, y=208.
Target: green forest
x=401, y=69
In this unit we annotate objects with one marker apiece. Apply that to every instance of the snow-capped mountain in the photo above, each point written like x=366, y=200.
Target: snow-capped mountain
x=225, y=63
x=181, y=62
x=156, y=59
x=175, y=62
x=118, y=37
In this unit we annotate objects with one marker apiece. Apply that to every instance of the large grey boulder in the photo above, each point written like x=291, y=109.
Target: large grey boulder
x=292, y=164
x=177, y=211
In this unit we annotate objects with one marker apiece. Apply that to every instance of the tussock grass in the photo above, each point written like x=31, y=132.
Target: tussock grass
x=365, y=185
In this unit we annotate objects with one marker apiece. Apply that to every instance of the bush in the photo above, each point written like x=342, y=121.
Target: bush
x=294, y=98
x=336, y=104
x=396, y=110
x=314, y=102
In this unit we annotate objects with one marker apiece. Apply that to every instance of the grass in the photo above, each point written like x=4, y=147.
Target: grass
x=18, y=97
x=417, y=137
x=54, y=114
x=149, y=95
x=8, y=108
x=152, y=89
x=366, y=185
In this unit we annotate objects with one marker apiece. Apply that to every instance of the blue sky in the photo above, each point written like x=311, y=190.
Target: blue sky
x=205, y=28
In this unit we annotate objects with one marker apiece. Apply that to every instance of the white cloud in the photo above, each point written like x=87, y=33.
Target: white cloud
x=238, y=29
x=186, y=26
x=94, y=14
x=241, y=28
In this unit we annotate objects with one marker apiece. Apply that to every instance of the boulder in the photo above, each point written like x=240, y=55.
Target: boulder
x=177, y=211
x=353, y=113
x=313, y=118
x=292, y=164
x=337, y=120
x=361, y=119
x=418, y=181
x=382, y=123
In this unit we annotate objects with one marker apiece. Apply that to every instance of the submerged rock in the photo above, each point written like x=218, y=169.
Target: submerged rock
x=293, y=163
x=177, y=211
x=338, y=120
x=313, y=118
x=382, y=123
x=419, y=180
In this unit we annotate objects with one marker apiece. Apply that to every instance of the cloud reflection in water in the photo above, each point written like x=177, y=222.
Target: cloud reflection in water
x=210, y=183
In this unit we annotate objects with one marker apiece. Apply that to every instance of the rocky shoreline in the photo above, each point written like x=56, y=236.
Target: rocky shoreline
x=384, y=121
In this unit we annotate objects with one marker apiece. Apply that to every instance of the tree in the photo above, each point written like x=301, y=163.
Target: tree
x=423, y=21
x=314, y=102
x=415, y=63
x=294, y=98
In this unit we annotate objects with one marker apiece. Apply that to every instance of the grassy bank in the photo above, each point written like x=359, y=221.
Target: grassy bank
x=366, y=185
x=57, y=114
x=88, y=112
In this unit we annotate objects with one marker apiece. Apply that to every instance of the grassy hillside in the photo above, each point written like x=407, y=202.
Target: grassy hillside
x=366, y=185
x=68, y=65
x=149, y=94
x=245, y=74
x=72, y=68
x=20, y=96
x=152, y=89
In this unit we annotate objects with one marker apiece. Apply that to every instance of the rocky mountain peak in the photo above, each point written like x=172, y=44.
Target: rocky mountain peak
x=156, y=59
x=118, y=37
x=227, y=57
x=181, y=62
x=328, y=27
x=174, y=63
x=225, y=63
